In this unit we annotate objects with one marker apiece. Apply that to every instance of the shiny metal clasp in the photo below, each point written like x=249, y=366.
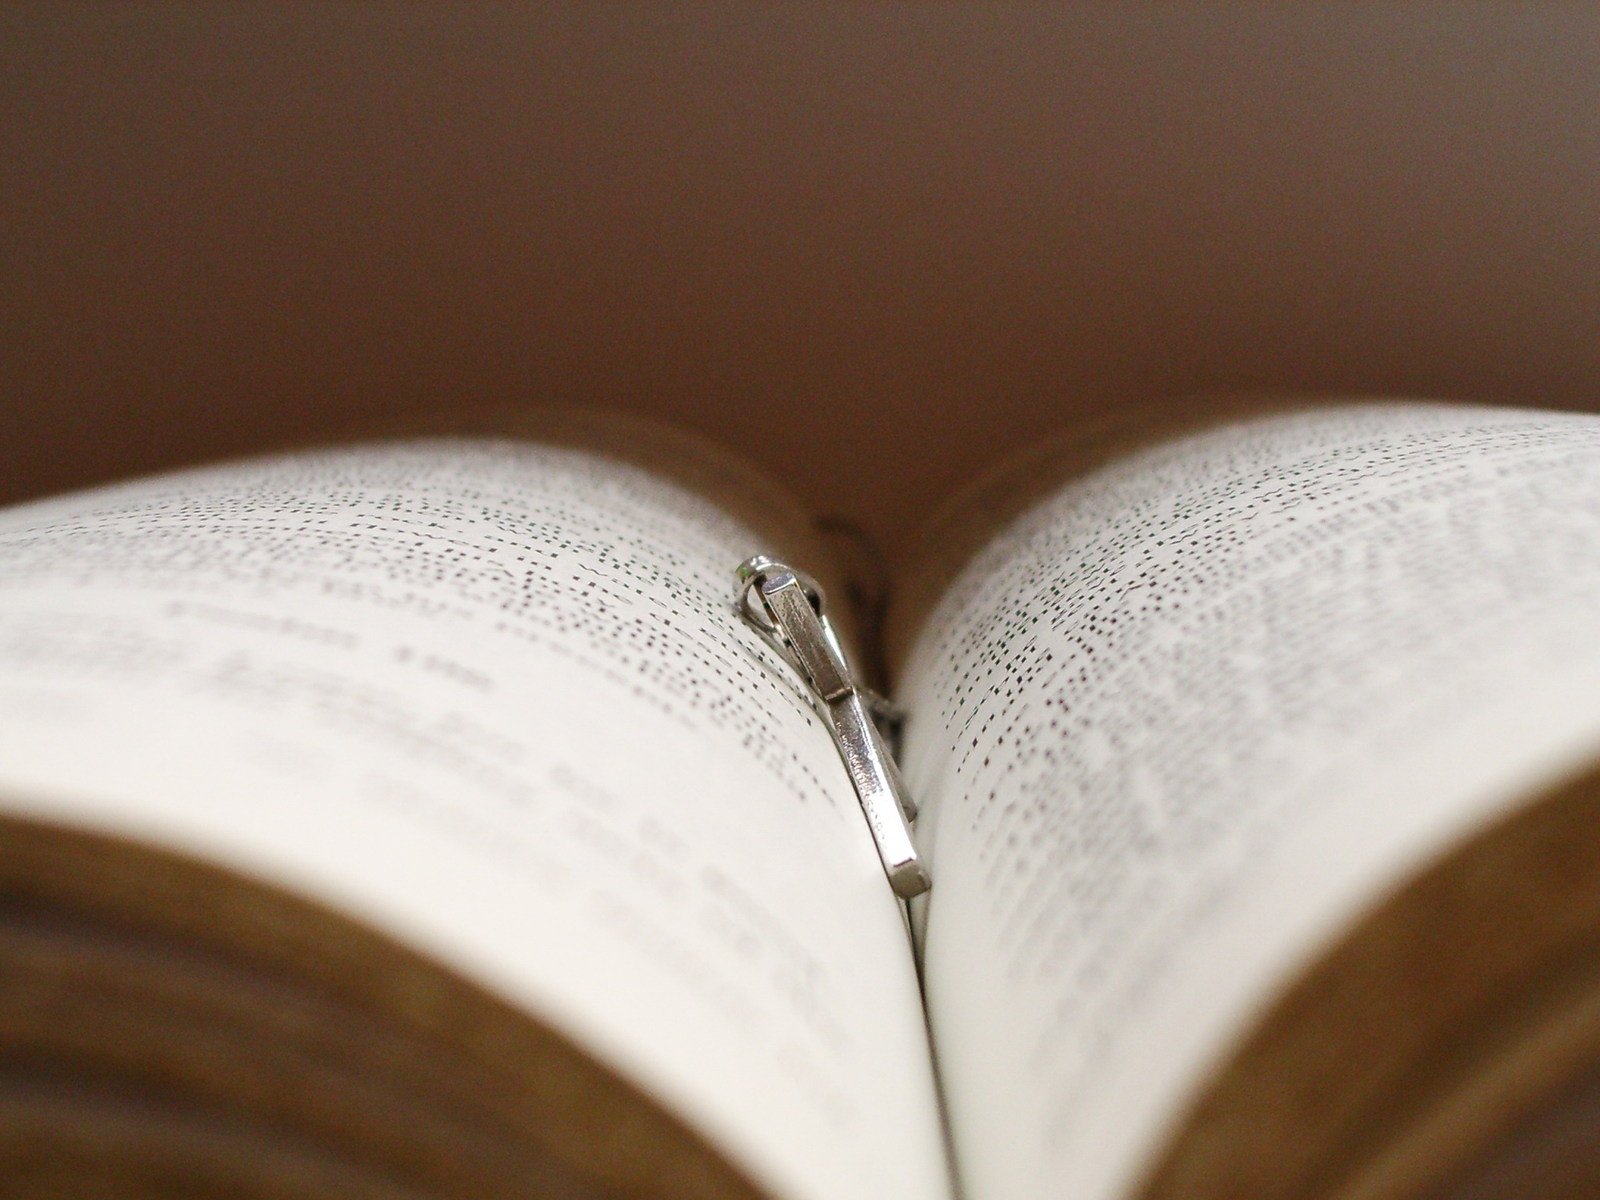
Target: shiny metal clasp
x=786, y=606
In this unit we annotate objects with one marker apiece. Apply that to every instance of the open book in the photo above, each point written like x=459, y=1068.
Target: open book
x=419, y=818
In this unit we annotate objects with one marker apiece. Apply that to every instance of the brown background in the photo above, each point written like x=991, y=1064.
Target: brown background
x=876, y=246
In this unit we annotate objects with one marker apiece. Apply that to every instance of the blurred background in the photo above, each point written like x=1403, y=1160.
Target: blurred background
x=875, y=246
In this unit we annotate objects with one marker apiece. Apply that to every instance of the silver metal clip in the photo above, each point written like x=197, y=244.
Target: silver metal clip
x=786, y=607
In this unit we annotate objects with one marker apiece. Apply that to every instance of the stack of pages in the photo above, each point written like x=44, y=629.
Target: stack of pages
x=422, y=818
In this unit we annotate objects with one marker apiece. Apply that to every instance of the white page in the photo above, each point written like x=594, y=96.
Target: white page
x=1179, y=722
x=493, y=699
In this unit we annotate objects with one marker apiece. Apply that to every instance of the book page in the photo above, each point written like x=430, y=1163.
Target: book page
x=492, y=698
x=1180, y=722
